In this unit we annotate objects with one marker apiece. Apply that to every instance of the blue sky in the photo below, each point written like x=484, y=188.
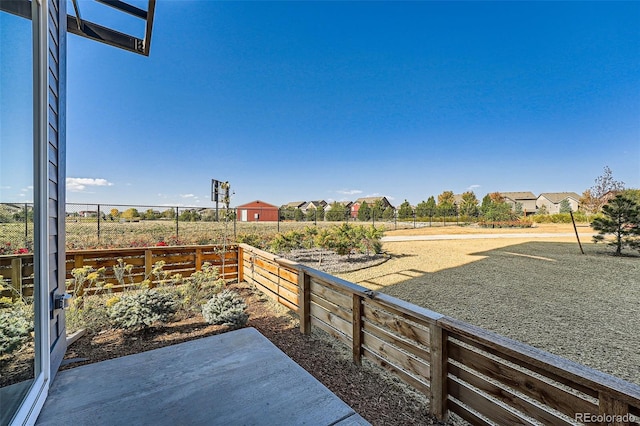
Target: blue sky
x=303, y=101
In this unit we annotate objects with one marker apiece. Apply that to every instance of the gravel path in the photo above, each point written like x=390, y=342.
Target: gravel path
x=396, y=238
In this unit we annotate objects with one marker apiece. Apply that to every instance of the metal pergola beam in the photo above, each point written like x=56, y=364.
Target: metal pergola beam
x=78, y=26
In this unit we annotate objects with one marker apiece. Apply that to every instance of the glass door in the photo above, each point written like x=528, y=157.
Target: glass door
x=24, y=354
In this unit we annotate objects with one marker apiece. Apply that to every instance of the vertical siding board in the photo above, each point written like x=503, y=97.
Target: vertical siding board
x=56, y=170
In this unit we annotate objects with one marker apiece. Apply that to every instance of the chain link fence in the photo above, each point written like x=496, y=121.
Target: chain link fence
x=16, y=228
x=117, y=225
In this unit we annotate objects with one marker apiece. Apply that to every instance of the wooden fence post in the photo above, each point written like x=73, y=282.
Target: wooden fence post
x=240, y=264
x=616, y=409
x=357, y=329
x=438, y=365
x=198, y=259
x=304, y=302
x=16, y=277
x=148, y=266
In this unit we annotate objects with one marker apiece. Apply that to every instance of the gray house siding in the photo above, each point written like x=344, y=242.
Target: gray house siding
x=56, y=175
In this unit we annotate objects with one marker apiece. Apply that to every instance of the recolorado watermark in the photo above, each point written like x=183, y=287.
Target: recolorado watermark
x=606, y=418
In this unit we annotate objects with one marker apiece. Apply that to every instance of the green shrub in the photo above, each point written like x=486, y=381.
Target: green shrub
x=200, y=287
x=15, y=328
x=140, y=310
x=226, y=308
x=88, y=312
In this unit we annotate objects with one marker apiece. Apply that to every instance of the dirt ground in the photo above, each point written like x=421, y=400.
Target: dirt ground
x=540, y=291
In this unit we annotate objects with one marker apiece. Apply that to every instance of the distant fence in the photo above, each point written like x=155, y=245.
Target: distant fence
x=110, y=225
x=17, y=270
x=481, y=376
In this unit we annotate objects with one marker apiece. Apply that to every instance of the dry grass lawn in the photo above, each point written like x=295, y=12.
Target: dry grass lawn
x=541, y=291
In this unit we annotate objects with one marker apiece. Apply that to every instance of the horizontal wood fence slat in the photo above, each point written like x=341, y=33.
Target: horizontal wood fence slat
x=483, y=377
x=185, y=260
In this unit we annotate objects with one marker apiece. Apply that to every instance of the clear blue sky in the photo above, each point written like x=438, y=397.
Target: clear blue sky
x=303, y=101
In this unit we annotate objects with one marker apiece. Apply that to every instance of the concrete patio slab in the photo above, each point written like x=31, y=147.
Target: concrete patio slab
x=235, y=378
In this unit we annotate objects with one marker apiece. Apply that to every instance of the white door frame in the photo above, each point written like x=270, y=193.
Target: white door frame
x=28, y=412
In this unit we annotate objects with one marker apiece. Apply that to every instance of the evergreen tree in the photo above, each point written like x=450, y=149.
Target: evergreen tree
x=431, y=206
x=495, y=209
x=405, y=211
x=542, y=210
x=565, y=206
x=337, y=213
x=422, y=209
x=311, y=215
x=376, y=210
x=517, y=209
x=388, y=213
x=621, y=217
x=364, y=212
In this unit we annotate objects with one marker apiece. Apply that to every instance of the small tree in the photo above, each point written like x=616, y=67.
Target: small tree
x=594, y=198
x=469, y=205
x=388, y=213
x=364, y=212
x=130, y=214
x=518, y=209
x=542, y=210
x=405, y=211
x=621, y=217
x=311, y=215
x=446, y=204
x=337, y=212
x=565, y=206
x=431, y=206
x=377, y=210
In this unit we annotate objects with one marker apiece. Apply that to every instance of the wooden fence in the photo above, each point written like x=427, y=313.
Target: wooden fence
x=481, y=376
x=17, y=270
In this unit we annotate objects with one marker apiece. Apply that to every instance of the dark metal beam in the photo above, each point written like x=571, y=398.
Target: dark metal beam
x=20, y=8
x=147, y=34
x=87, y=29
x=105, y=35
x=125, y=7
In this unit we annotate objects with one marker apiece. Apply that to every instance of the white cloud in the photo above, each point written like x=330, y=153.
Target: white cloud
x=187, y=195
x=472, y=187
x=349, y=191
x=81, y=184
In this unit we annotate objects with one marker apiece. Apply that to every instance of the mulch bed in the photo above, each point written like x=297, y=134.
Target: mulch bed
x=377, y=396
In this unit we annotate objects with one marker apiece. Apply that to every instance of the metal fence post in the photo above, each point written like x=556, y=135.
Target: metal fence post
x=98, y=223
x=177, y=230
x=235, y=221
x=26, y=224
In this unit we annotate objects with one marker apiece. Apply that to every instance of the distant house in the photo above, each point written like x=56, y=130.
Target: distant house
x=527, y=199
x=355, y=207
x=347, y=205
x=552, y=200
x=294, y=205
x=320, y=204
x=257, y=211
